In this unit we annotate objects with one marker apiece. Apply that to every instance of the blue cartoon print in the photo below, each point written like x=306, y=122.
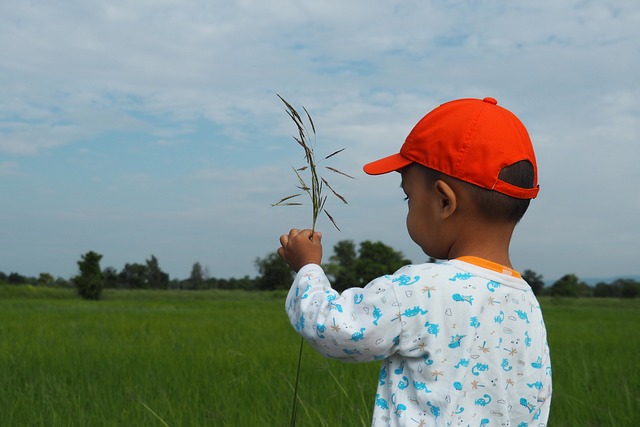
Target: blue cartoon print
x=479, y=367
x=435, y=410
x=410, y=312
x=527, y=405
x=461, y=276
x=484, y=400
x=357, y=336
x=421, y=386
x=377, y=314
x=432, y=328
x=492, y=286
x=455, y=341
x=333, y=305
x=320, y=328
x=381, y=402
x=522, y=315
x=405, y=280
x=463, y=298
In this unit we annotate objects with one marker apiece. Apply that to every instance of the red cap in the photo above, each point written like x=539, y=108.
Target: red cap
x=468, y=139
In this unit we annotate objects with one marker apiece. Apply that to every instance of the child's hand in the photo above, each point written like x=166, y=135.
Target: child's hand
x=300, y=248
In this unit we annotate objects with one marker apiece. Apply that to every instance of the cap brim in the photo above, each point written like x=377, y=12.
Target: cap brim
x=388, y=164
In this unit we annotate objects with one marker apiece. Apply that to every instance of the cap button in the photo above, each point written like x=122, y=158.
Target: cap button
x=490, y=100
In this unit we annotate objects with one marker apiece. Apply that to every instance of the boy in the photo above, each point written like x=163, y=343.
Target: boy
x=463, y=341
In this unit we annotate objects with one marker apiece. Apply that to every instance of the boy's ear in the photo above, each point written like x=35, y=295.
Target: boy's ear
x=447, y=199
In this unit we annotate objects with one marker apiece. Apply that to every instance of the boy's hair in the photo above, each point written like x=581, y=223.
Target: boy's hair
x=491, y=204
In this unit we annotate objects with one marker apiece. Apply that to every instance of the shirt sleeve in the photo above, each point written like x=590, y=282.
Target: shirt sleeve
x=361, y=324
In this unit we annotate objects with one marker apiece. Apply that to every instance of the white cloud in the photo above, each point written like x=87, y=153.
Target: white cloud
x=180, y=94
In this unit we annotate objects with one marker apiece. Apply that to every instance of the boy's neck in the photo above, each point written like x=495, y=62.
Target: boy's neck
x=489, y=242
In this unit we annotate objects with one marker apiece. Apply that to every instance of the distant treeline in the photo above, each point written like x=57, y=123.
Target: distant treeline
x=570, y=285
x=348, y=266
x=136, y=276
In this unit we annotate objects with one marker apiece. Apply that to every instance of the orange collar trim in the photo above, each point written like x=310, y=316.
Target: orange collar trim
x=490, y=265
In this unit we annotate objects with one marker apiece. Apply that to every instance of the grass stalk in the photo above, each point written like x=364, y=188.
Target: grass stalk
x=306, y=138
x=144, y=405
x=294, y=406
x=315, y=193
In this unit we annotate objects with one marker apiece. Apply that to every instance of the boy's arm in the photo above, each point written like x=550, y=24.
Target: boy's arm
x=361, y=324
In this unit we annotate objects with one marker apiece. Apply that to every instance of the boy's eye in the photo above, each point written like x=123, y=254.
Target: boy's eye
x=406, y=198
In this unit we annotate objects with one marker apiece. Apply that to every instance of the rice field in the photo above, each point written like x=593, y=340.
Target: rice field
x=213, y=358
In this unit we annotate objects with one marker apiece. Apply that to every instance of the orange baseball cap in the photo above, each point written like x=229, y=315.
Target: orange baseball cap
x=468, y=139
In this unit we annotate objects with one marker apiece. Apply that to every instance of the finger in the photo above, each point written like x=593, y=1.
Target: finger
x=294, y=232
x=284, y=239
x=307, y=234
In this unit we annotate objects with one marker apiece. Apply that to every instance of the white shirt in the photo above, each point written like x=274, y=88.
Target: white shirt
x=461, y=345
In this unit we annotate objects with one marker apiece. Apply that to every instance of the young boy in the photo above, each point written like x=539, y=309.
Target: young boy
x=463, y=342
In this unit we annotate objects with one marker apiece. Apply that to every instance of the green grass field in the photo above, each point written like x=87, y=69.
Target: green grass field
x=145, y=358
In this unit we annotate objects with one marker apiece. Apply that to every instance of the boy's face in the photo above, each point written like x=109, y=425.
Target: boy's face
x=422, y=218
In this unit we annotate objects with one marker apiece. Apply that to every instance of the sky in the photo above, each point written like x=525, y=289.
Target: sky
x=153, y=127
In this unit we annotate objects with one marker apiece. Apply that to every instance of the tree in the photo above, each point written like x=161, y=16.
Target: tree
x=569, y=286
x=584, y=290
x=196, y=278
x=134, y=276
x=89, y=282
x=274, y=273
x=156, y=278
x=372, y=260
x=341, y=266
x=628, y=288
x=62, y=283
x=377, y=259
x=45, y=279
x=535, y=281
x=110, y=277
x=16, y=279
x=606, y=290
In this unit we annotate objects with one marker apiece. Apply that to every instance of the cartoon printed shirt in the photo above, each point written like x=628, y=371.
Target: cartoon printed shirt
x=461, y=345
